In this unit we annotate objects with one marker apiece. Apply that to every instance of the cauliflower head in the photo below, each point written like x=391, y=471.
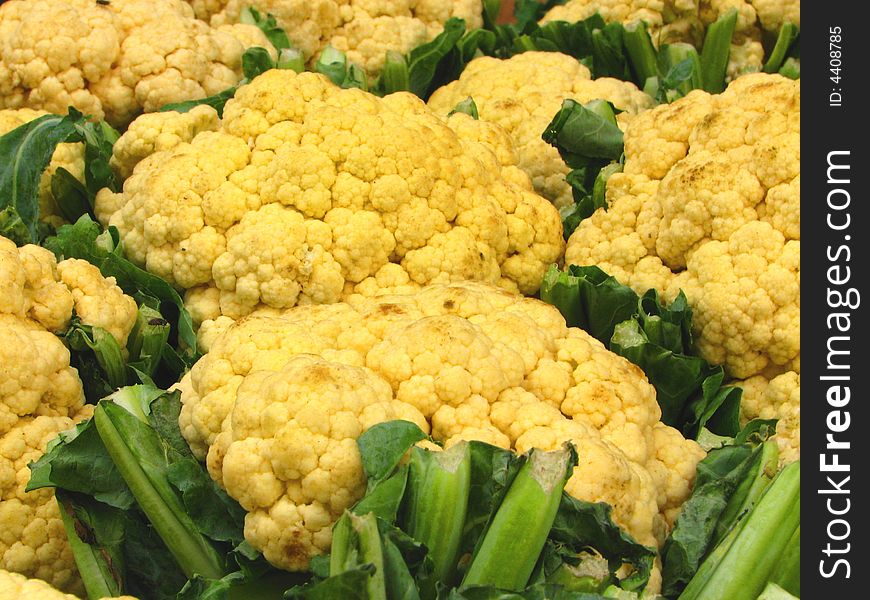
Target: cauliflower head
x=116, y=59
x=778, y=397
x=307, y=191
x=276, y=405
x=363, y=29
x=679, y=21
x=67, y=156
x=41, y=394
x=14, y=586
x=709, y=202
x=523, y=93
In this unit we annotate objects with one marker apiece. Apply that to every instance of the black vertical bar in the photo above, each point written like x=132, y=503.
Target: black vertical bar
x=834, y=258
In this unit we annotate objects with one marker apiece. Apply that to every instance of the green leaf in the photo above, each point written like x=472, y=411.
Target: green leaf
x=70, y=195
x=424, y=62
x=581, y=525
x=581, y=132
x=26, y=152
x=349, y=585
x=107, y=369
x=788, y=35
x=268, y=25
x=217, y=102
x=394, y=75
x=383, y=446
x=76, y=461
x=256, y=61
x=332, y=63
x=467, y=107
x=589, y=298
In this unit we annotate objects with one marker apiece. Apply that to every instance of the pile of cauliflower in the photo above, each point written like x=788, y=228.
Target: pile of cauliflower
x=686, y=20
x=363, y=29
x=305, y=193
x=115, y=60
x=277, y=404
x=41, y=394
x=709, y=202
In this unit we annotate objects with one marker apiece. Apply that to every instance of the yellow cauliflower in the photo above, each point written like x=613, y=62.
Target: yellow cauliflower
x=276, y=405
x=776, y=398
x=157, y=132
x=523, y=93
x=116, y=59
x=41, y=395
x=709, y=202
x=14, y=586
x=364, y=29
x=678, y=21
x=306, y=191
x=68, y=156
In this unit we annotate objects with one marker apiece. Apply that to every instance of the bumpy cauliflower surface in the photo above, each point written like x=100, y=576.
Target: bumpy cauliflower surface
x=116, y=59
x=158, y=132
x=14, y=586
x=41, y=395
x=776, y=398
x=682, y=21
x=68, y=156
x=523, y=93
x=277, y=403
x=307, y=191
x=363, y=29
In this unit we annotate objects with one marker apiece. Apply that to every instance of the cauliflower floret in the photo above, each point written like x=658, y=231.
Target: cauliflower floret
x=294, y=451
x=14, y=586
x=776, y=398
x=307, y=190
x=157, y=132
x=522, y=94
x=67, y=156
x=116, y=59
x=364, y=29
x=467, y=360
x=709, y=203
x=773, y=13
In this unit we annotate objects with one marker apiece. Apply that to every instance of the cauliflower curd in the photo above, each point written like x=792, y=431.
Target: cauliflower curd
x=277, y=404
x=114, y=60
x=523, y=93
x=306, y=193
x=363, y=29
x=709, y=202
x=41, y=395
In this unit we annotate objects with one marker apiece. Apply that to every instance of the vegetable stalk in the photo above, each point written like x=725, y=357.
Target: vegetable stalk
x=437, y=503
x=522, y=521
x=739, y=567
x=193, y=553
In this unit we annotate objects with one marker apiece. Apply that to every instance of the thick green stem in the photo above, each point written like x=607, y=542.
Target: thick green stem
x=753, y=547
x=371, y=552
x=190, y=550
x=787, y=572
x=394, y=76
x=788, y=33
x=96, y=573
x=761, y=472
x=516, y=535
x=641, y=52
x=716, y=51
x=439, y=484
